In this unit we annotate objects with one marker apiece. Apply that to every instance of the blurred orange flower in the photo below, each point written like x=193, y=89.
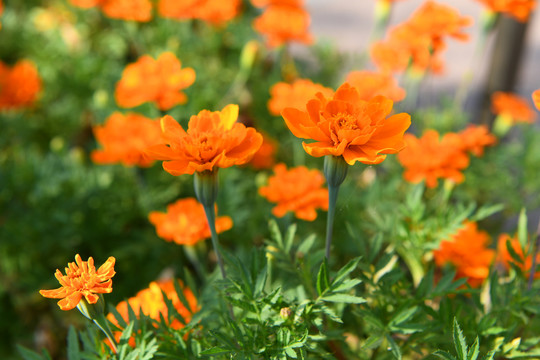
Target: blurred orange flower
x=512, y=107
x=264, y=158
x=185, y=222
x=82, y=279
x=263, y=3
x=468, y=251
x=430, y=158
x=519, y=9
x=213, y=140
x=213, y=11
x=133, y=10
x=475, y=137
x=298, y=189
x=345, y=125
x=371, y=83
x=536, y=98
x=295, y=95
x=125, y=138
x=86, y=4
x=19, y=85
x=504, y=258
x=283, y=23
x=159, y=81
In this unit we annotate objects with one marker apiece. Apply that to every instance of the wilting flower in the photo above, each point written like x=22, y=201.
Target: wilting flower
x=536, y=98
x=185, y=222
x=19, y=85
x=82, y=280
x=264, y=158
x=371, y=83
x=298, y=189
x=159, y=81
x=519, y=9
x=468, y=251
x=504, y=258
x=133, y=10
x=213, y=140
x=475, y=137
x=295, y=95
x=212, y=11
x=512, y=108
x=345, y=125
x=430, y=158
x=125, y=138
x=283, y=23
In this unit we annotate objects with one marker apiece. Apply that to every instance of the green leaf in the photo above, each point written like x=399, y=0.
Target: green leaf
x=275, y=233
x=260, y=282
x=73, y=350
x=180, y=292
x=291, y=353
x=289, y=238
x=343, y=298
x=486, y=211
x=474, y=351
x=459, y=341
x=444, y=355
x=322, y=278
x=346, y=270
x=522, y=228
x=426, y=285
x=215, y=351
x=306, y=245
x=28, y=354
x=345, y=285
x=403, y=316
x=394, y=348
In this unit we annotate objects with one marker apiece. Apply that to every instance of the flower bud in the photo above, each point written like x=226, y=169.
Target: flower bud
x=335, y=170
x=285, y=313
x=206, y=187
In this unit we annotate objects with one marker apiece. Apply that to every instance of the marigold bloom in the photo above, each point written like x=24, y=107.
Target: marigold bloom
x=370, y=84
x=125, y=138
x=185, y=222
x=282, y=24
x=536, y=98
x=298, y=189
x=213, y=140
x=86, y=4
x=264, y=158
x=134, y=10
x=512, y=107
x=504, y=258
x=475, y=137
x=19, y=85
x=468, y=251
x=82, y=279
x=213, y=11
x=159, y=81
x=519, y=9
x=263, y=3
x=295, y=95
x=345, y=125
x=430, y=158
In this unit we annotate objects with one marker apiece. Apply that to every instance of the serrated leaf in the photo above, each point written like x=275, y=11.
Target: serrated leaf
x=346, y=270
x=215, y=351
x=403, y=316
x=345, y=285
x=459, y=341
x=474, y=350
x=343, y=298
x=180, y=292
x=73, y=350
x=322, y=278
x=444, y=355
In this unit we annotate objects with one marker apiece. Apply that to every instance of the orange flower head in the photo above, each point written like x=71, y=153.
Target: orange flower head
x=185, y=222
x=291, y=3
x=82, y=279
x=512, y=107
x=86, y=4
x=504, y=258
x=370, y=84
x=295, y=95
x=345, y=125
x=430, y=158
x=159, y=81
x=213, y=11
x=213, y=140
x=475, y=137
x=298, y=189
x=519, y=9
x=179, y=10
x=468, y=251
x=125, y=138
x=133, y=10
x=536, y=98
x=264, y=158
x=19, y=85
x=282, y=24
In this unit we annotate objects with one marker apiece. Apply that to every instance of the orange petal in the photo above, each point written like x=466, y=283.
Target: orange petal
x=177, y=167
x=294, y=118
x=229, y=115
x=71, y=301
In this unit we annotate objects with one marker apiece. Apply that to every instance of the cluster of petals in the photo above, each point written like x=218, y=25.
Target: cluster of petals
x=213, y=11
x=185, y=222
x=130, y=10
x=536, y=99
x=419, y=41
x=504, y=258
x=468, y=251
x=264, y=158
x=125, y=138
x=160, y=81
x=283, y=21
x=297, y=189
x=295, y=95
x=19, y=85
x=372, y=83
x=213, y=140
x=345, y=125
x=82, y=280
x=519, y=9
x=513, y=108
x=475, y=138
x=432, y=157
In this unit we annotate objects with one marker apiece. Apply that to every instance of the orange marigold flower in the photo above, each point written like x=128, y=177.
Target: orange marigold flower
x=213, y=11
x=298, y=189
x=536, y=98
x=134, y=10
x=264, y=158
x=513, y=107
x=185, y=222
x=475, y=137
x=213, y=140
x=86, y=4
x=519, y=9
x=19, y=85
x=504, y=258
x=125, y=139
x=295, y=95
x=371, y=83
x=82, y=279
x=430, y=158
x=345, y=125
x=282, y=24
x=159, y=81
x=468, y=251
x=263, y=3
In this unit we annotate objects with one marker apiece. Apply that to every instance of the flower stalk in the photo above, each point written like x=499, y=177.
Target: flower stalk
x=95, y=312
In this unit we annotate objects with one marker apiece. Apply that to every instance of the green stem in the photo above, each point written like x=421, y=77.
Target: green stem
x=332, y=200
x=211, y=218
x=101, y=321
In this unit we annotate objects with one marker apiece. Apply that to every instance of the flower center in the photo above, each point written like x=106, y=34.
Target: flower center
x=346, y=121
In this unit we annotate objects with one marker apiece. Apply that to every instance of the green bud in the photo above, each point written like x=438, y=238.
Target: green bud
x=206, y=187
x=335, y=170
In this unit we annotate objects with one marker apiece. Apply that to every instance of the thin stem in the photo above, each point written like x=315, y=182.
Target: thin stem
x=534, y=262
x=103, y=324
x=211, y=218
x=332, y=200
